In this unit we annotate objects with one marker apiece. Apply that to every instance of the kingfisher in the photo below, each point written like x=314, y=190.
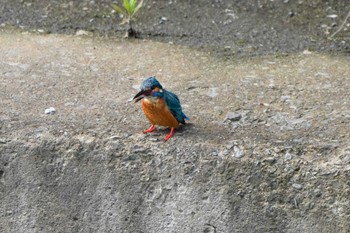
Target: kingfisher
x=160, y=106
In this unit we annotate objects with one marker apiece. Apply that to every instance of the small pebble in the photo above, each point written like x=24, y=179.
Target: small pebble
x=3, y=141
x=138, y=149
x=332, y=16
x=212, y=92
x=287, y=156
x=115, y=145
x=290, y=13
x=233, y=116
x=153, y=139
x=237, y=152
x=50, y=111
x=115, y=137
x=297, y=186
x=82, y=33
x=162, y=19
x=346, y=158
x=317, y=192
x=307, y=52
x=285, y=98
x=272, y=170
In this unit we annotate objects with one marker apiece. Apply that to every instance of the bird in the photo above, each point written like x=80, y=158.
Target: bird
x=160, y=106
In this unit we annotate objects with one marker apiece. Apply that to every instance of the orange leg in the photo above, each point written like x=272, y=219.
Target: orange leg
x=151, y=129
x=170, y=134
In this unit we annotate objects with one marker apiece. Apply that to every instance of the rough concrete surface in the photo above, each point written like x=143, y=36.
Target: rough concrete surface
x=267, y=149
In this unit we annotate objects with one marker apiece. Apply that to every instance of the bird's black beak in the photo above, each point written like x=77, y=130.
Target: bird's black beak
x=139, y=96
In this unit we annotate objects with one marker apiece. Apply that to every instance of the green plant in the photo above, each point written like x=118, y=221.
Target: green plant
x=130, y=9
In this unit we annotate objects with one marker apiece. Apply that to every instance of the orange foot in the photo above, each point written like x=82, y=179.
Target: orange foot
x=169, y=135
x=151, y=129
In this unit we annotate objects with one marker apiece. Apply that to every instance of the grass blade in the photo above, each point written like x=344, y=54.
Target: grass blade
x=138, y=6
x=133, y=5
x=126, y=4
x=118, y=9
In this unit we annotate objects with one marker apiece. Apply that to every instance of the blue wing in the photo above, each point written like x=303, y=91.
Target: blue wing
x=174, y=106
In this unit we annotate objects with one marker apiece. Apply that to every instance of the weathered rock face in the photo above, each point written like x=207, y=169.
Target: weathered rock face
x=282, y=166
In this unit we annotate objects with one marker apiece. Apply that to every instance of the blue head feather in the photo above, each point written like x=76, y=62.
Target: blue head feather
x=150, y=84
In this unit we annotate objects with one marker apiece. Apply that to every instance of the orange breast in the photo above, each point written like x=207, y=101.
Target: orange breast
x=158, y=113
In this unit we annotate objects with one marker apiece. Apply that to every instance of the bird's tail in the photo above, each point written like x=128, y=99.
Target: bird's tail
x=185, y=117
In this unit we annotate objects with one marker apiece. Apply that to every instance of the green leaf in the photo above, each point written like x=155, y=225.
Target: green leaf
x=118, y=9
x=133, y=5
x=127, y=7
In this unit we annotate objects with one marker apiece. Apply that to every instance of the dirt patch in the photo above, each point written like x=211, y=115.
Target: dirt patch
x=235, y=28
